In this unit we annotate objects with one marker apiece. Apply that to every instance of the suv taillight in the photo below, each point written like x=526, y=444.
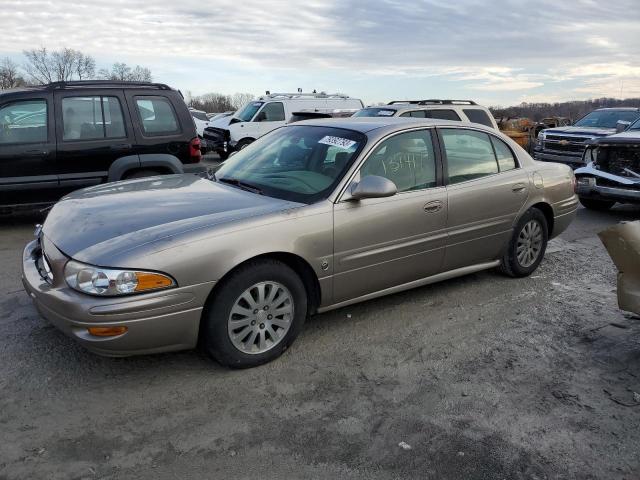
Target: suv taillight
x=195, y=154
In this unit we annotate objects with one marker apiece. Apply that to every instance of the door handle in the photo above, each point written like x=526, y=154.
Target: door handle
x=121, y=146
x=33, y=153
x=433, y=207
x=518, y=187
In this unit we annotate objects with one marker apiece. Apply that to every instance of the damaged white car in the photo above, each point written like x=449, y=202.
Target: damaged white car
x=612, y=173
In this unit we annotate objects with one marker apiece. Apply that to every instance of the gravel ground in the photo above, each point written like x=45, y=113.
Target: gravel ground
x=481, y=377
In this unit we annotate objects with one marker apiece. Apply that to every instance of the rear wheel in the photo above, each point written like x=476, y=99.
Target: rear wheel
x=593, y=204
x=254, y=315
x=527, y=246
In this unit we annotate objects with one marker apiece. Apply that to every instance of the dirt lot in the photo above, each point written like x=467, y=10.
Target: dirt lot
x=483, y=377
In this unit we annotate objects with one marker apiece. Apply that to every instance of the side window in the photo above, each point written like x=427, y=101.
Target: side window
x=504, y=155
x=476, y=115
x=23, y=122
x=157, y=115
x=469, y=155
x=406, y=159
x=414, y=114
x=272, y=112
x=443, y=114
x=92, y=118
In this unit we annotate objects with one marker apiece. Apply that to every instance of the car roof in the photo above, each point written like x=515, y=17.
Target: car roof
x=84, y=84
x=367, y=124
x=628, y=109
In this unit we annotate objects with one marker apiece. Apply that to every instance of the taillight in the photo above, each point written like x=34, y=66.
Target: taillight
x=195, y=154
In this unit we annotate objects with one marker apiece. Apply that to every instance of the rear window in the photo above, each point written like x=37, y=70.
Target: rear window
x=157, y=115
x=92, y=118
x=415, y=114
x=476, y=115
x=375, y=112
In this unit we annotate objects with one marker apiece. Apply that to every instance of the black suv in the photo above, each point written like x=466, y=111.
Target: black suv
x=64, y=136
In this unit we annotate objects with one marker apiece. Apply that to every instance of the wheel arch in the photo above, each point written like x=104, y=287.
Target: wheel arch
x=298, y=264
x=547, y=211
x=150, y=161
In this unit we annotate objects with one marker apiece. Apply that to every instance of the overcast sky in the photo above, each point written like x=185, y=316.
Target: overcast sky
x=497, y=52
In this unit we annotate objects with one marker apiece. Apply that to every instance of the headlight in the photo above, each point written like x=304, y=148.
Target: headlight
x=540, y=138
x=107, y=282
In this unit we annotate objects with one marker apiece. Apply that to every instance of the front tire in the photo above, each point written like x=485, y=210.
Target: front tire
x=244, y=144
x=527, y=245
x=599, y=205
x=254, y=315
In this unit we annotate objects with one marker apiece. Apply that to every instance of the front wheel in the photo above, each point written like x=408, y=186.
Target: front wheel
x=242, y=144
x=254, y=315
x=527, y=245
x=599, y=205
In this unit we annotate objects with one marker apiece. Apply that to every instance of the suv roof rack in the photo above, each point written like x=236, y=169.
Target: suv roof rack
x=270, y=95
x=433, y=102
x=106, y=83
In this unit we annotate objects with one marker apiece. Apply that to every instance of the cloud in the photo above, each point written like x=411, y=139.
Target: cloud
x=498, y=47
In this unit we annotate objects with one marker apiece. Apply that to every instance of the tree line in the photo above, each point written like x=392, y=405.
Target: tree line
x=573, y=110
x=218, y=102
x=43, y=66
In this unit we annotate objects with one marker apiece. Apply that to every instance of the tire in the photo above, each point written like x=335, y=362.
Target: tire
x=248, y=328
x=599, y=205
x=142, y=174
x=223, y=155
x=515, y=265
x=244, y=143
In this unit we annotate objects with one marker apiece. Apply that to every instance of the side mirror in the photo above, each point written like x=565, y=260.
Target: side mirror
x=621, y=126
x=373, y=186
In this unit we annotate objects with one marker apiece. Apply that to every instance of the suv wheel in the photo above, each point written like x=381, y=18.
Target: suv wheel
x=593, y=204
x=254, y=315
x=527, y=246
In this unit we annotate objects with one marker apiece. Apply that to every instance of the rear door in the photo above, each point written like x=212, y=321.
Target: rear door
x=28, y=150
x=92, y=131
x=384, y=242
x=486, y=190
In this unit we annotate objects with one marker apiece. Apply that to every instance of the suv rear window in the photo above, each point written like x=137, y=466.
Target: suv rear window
x=23, y=122
x=92, y=118
x=157, y=115
x=476, y=115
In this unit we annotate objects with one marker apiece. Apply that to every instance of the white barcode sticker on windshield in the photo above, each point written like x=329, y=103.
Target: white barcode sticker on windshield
x=386, y=113
x=337, y=142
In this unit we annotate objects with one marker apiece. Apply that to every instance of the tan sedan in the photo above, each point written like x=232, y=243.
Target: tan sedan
x=314, y=216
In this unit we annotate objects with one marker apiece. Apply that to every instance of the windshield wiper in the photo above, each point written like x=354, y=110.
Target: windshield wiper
x=242, y=185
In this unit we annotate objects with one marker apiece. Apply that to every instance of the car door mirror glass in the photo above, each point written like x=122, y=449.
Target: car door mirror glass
x=373, y=186
x=621, y=126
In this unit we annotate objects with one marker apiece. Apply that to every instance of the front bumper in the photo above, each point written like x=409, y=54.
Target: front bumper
x=593, y=183
x=573, y=161
x=217, y=139
x=156, y=322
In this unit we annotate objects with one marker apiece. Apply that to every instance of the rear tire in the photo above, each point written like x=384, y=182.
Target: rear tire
x=142, y=174
x=527, y=245
x=599, y=205
x=254, y=315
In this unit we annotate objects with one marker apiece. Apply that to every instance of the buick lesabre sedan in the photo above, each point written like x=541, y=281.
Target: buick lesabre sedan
x=314, y=216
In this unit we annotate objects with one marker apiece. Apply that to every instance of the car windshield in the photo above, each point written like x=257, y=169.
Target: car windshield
x=247, y=113
x=301, y=163
x=607, y=118
x=375, y=112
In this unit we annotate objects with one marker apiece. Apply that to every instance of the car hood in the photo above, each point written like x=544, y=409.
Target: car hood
x=96, y=223
x=586, y=131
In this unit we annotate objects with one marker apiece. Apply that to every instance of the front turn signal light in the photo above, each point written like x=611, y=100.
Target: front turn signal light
x=107, y=331
x=151, y=281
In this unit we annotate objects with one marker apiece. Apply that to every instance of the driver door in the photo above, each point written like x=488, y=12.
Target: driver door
x=380, y=243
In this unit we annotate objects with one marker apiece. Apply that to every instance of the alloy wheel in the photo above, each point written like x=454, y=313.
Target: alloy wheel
x=529, y=243
x=261, y=317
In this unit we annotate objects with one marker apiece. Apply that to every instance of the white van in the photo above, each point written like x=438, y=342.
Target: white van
x=274, y=110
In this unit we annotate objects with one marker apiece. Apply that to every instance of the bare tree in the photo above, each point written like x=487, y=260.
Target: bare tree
x=9, y=75
x=123, y=72
x=212, y=102
x=239, y=100
x=62, y=65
